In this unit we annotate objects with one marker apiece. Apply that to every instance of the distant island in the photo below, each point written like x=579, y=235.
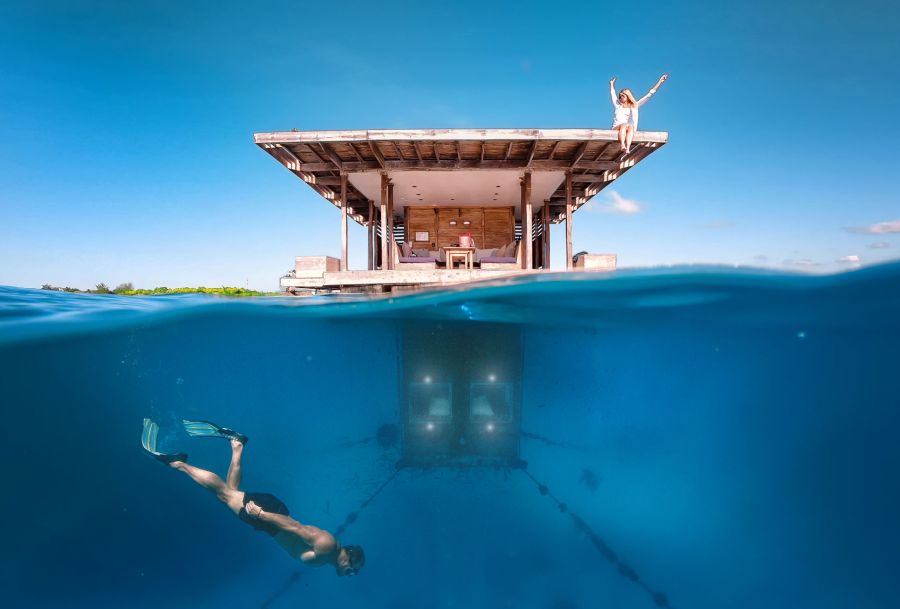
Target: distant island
x=127, y=289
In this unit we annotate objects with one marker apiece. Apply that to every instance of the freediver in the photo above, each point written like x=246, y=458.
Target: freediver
x=264, y=512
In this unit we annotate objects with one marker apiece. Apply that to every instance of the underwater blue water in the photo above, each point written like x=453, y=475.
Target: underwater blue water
x=727, y=439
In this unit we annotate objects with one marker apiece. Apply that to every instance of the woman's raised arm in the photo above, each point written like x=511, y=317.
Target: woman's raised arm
x=653, y=89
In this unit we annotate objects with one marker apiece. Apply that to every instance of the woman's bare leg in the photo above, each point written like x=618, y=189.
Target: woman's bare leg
x=211, y=482
x=622, y=130
x=233, y=479
x=629, y=135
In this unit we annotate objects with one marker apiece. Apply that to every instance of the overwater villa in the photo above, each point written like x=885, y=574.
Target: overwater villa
x=446, y=206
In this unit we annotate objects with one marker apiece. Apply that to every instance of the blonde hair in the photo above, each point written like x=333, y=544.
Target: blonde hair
x=630, y=101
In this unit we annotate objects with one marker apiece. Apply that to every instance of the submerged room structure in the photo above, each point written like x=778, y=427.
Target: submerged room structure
x=445, y=206
x=460, y=395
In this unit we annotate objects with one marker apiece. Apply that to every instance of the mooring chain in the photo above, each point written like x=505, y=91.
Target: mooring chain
x=660, y=599
x=354, y=515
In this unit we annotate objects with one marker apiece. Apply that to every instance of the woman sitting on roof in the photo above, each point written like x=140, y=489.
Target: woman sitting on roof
x=625, y=114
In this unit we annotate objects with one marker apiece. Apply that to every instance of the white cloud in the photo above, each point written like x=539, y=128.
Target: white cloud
x=879, y=228
x=851, y=259
x=761, y=258
x=614, y=203
x=879, y=245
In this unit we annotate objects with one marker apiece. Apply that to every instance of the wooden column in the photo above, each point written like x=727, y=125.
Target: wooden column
x=527, y=222
x=569, y=211
x=343, y=221
x=390, y=224
x=545, y=219
x=383, y=213
x=371, y=230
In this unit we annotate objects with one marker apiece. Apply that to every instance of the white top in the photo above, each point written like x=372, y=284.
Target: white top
x=625, y=115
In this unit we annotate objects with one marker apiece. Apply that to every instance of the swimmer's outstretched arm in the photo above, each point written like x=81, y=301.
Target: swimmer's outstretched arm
x=321, y=542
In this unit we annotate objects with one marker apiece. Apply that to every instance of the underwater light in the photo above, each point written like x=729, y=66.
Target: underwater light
x=429, y=426
x=427, y=379
x=489, y=427
x=492, y=377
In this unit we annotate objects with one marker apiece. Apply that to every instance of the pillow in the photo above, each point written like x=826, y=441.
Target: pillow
x=420, y=253
x=405, y=249
x=513, y=249
x=486, y=253
x=508, y=250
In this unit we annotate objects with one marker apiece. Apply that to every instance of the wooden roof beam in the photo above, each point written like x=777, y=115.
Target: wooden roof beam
x=579, y=152
x=553, y=150
x=589, y=177
x=356, y=153
x=531, y=153
x=315, y=154
x=445, y=164
x=425, y=165
x=374, y=148
x=418, y=152
x=332, y=155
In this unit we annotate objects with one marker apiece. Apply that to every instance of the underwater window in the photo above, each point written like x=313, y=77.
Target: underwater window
x=492, y=400
x=428, y=401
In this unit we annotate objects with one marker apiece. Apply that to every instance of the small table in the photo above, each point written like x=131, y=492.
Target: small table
x=464, y=255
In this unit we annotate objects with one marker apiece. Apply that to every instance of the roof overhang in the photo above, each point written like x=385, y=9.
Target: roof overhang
x=457, y=167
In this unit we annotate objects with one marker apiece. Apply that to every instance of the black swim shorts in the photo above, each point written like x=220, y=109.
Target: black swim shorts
x=269, y=503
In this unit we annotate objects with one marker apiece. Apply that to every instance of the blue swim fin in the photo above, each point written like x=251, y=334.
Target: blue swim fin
x=148, y=441
x=205, y=429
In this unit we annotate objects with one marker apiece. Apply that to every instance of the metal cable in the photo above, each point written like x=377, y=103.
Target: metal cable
x=660, y=599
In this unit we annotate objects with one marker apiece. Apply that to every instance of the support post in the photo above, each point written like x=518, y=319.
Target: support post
x=371, y=230
x=383, y=212
x=527, y=221
x=390, y=215
x=545, y=220
x=569, y=211
x=344, y=266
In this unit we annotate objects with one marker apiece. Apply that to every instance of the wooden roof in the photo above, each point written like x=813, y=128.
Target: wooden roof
x=591, y=155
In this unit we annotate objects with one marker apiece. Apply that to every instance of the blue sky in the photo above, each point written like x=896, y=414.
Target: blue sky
x=127, y=126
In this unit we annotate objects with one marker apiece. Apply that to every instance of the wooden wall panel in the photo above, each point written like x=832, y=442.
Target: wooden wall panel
x=499, y=226
x=421, y=219
x=489, y=226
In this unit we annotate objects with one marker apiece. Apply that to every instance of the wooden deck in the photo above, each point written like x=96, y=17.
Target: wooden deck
x=392, y=280
x=386, y=281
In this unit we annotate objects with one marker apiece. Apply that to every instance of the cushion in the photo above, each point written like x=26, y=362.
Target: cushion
x=420, y=253
x=417, y=259
x=405, y=249
x=437, y=255
x=479, y=254
x=499, y=259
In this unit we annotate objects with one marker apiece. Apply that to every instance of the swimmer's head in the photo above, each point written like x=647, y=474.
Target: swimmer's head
x=350, y=560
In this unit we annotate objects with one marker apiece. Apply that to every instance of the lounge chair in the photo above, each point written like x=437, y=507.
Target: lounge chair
x=411, y=262
x=496, y=263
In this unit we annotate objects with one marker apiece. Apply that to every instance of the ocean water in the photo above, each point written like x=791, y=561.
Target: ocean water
x=689, y=438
